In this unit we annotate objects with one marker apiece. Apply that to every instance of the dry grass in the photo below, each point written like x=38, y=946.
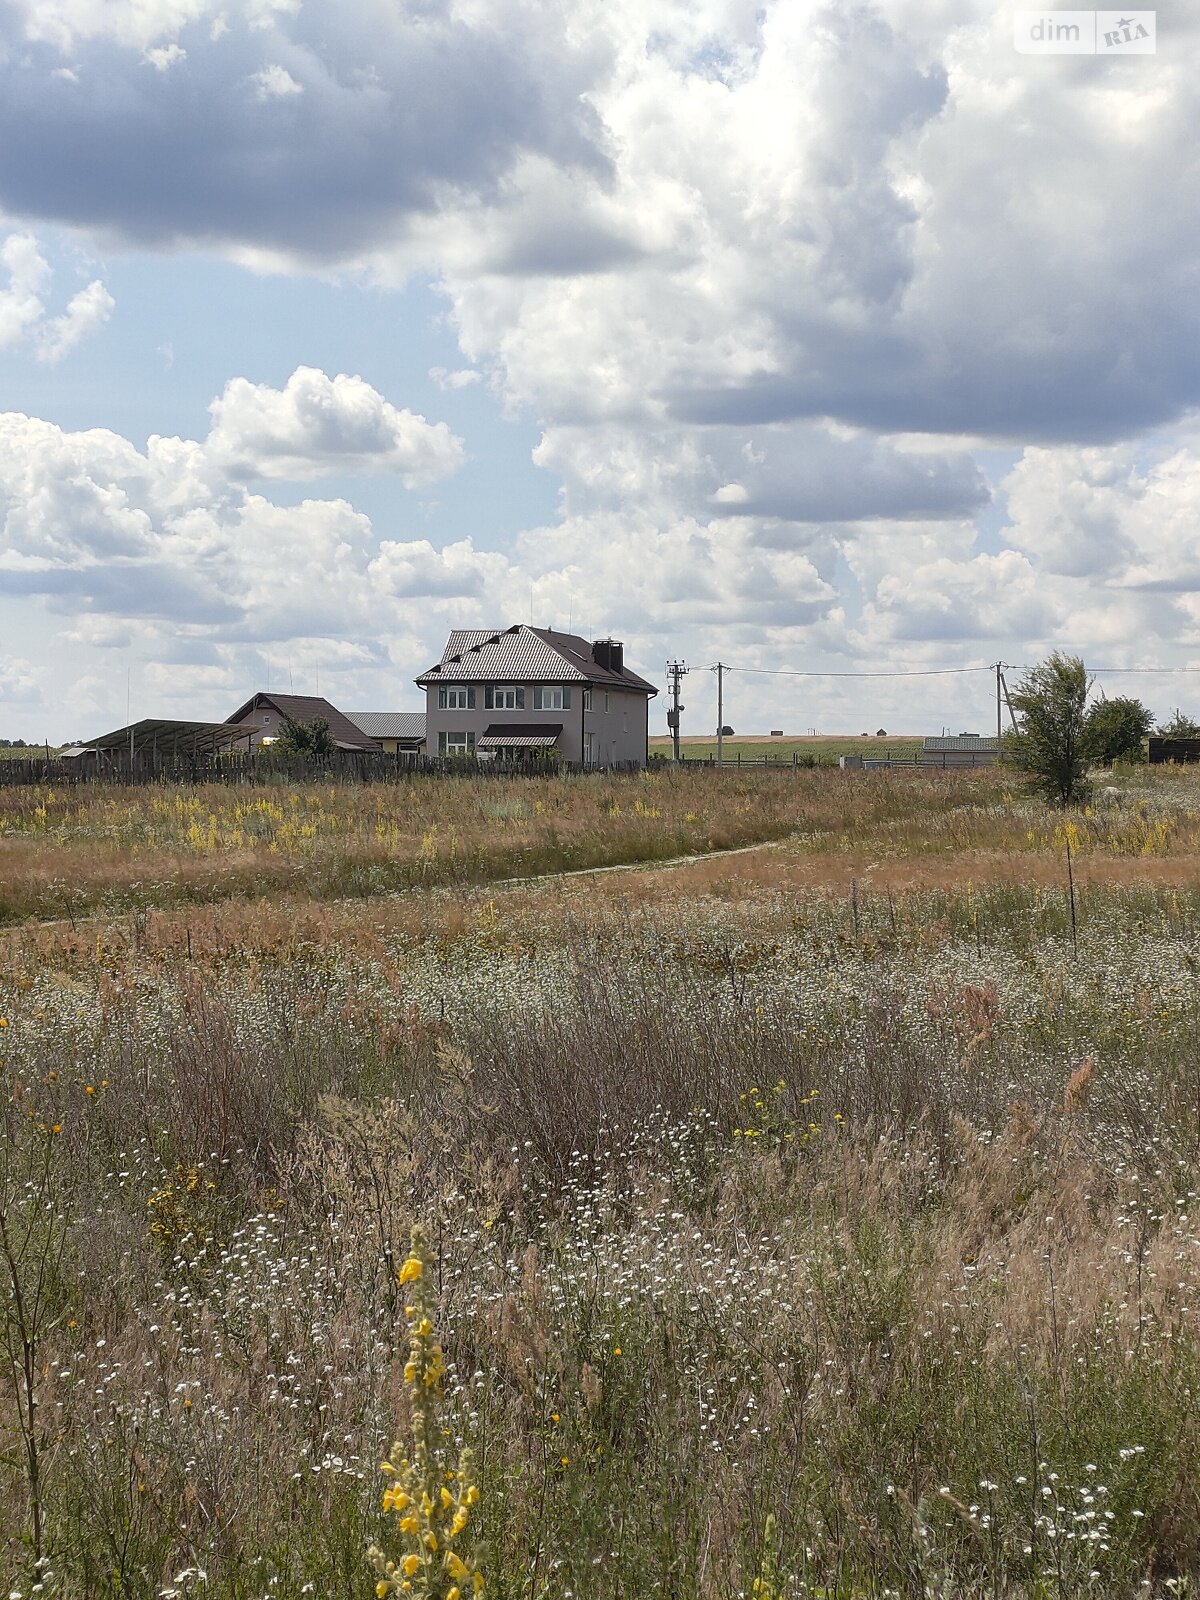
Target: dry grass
x=872, y=1217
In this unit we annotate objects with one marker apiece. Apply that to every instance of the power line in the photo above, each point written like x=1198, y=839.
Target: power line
x=932, y=672
x=929, y=672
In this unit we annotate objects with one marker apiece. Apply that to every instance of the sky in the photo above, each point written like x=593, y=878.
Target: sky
x=814, y=339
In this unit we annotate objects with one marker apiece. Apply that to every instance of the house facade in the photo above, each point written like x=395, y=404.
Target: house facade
x=525, y=693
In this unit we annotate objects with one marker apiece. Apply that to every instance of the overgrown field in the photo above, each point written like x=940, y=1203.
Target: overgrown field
x=69, y=851
x=823, y=1219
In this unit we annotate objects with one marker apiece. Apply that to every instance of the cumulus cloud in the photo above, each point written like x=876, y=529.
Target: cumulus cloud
x=23, y=318
x=399, y=107
x=18, y=686
x=86, y=311
x=94, y=525
x=461, y=378
x=316, y=424
x=789, y=288
x=416, y=570
x=1124, y=517
x=274, y=83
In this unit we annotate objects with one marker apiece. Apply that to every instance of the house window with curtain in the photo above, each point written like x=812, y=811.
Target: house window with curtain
x=455, y=744
x=456, y=697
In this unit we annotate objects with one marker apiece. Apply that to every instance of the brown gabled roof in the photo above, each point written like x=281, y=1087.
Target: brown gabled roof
x=525, y=655
x=303, y=708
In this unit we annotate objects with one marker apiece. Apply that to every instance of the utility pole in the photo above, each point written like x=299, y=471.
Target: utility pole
x=676, y=671
x=720, y=669
x=1002, y=687
x=1008, y=702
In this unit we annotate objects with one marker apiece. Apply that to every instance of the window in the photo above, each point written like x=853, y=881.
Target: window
x=607, y=701
x=587, y=699
x=455, y=744
x=266, y=719
x=552, y=697
x=454, y=697
x=504, y=697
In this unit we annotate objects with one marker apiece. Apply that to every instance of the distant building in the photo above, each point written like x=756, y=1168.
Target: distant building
x=960, y=750
x=517, y=693
x=393, y=731
x=262, y=718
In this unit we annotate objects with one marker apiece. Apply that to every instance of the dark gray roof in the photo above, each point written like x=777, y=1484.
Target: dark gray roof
x=303, y=708
x=389, y=724
x=525, y=655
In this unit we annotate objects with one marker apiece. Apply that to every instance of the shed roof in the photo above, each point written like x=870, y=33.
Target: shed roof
x=167, y=736
x=390, y=724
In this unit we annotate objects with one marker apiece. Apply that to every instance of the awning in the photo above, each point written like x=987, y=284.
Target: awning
x=519, y=736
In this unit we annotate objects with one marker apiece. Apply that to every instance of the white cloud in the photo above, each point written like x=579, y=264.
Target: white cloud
x=86, y=311
x=316, y=425
x=776, y=281
x=274, y=83
x=163, y=57
x=416, y=570
x=134, y=24
x=18, y=685
x=463, y=378
x=27, y=272
x=23, y=318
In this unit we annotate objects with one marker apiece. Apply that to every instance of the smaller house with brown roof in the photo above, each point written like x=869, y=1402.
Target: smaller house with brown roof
x=522, y=693
x=262, y=719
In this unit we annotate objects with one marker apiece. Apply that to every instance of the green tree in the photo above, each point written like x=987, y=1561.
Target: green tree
x=1114, y=730
x=1051, y=706
x=311, y=738
x=1179, y=726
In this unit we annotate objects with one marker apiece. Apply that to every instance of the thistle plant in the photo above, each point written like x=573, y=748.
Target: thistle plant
x=431, y=1500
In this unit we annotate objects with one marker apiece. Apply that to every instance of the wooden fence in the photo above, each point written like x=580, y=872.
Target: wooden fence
x=265, y=766
x=377, y=766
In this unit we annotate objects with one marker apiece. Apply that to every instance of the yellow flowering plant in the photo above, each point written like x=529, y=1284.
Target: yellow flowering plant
x=430, y=1503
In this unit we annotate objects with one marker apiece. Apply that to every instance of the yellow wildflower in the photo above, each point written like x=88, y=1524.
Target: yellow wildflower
x=411, y=1270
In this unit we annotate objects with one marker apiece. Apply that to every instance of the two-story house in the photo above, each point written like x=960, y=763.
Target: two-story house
x=507, y=695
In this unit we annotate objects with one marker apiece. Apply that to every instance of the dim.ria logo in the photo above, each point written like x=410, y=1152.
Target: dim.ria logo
x=1085, y=33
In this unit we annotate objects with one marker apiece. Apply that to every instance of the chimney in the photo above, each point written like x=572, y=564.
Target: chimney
x=609, y=654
